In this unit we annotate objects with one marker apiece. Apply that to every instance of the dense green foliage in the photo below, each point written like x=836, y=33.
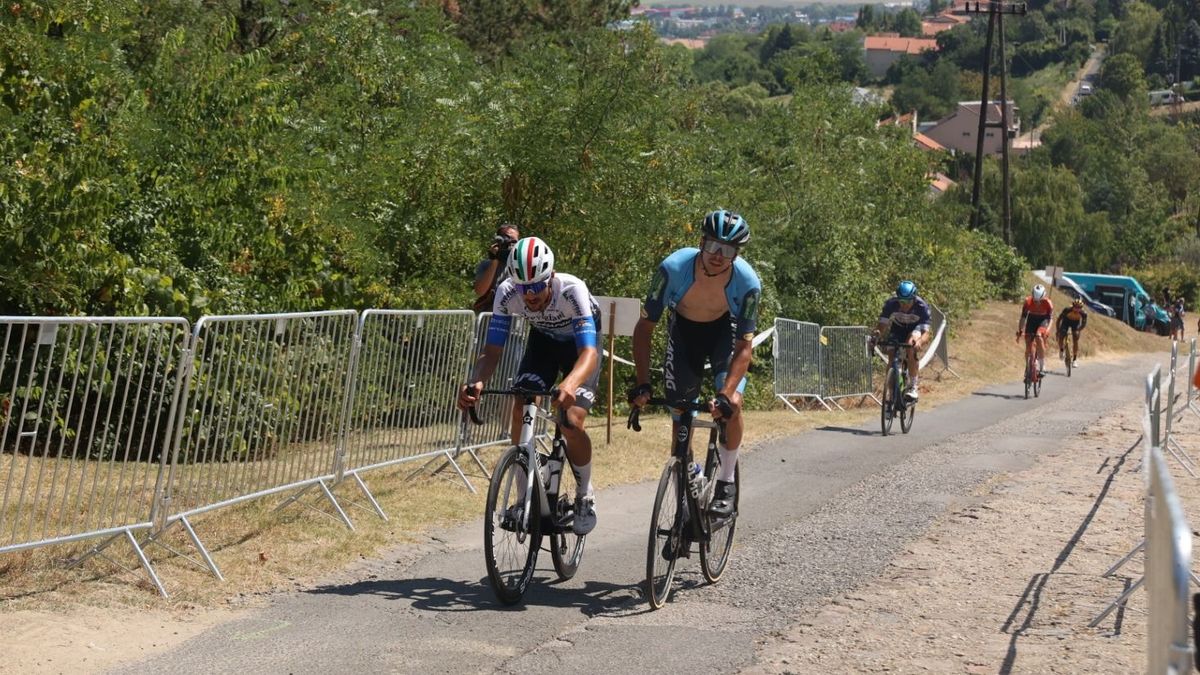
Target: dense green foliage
x=175, y=158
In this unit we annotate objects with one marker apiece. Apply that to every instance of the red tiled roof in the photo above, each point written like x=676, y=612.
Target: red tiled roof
x=905, y=45
x=926, y=143
x=941, y=182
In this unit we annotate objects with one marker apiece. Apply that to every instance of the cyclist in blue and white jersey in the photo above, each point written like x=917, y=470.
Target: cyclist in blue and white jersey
x=712, y=295
x=905, y=318
x=564, y=321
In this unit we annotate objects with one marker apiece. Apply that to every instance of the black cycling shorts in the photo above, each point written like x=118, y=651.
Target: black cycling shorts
x=545, y=358
x=689, y=344
x=1072, y=326
x=1035, y=323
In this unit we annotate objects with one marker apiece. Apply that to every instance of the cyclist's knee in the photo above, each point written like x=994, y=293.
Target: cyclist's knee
x=576, y=415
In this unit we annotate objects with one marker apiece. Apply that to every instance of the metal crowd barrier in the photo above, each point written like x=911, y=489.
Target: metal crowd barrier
x=87, y=405
x=262, y=413
x=846, y=368
x=797, y=355
x=1168, y=573
x=1166, y=541
x=408, y=366
x=1169, y=444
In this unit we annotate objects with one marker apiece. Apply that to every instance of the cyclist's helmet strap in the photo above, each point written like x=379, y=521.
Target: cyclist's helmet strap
x=726, y=226
x=907, y=290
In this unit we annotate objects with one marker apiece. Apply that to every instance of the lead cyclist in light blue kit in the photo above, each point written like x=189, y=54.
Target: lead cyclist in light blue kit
x=564, y=322
x=713, y=297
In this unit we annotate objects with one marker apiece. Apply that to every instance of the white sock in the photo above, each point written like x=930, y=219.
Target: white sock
x=583, y=479
x=728, y=463
x=916, y=379
x=1041, y=363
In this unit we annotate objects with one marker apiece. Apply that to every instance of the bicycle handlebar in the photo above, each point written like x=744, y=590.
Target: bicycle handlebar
x=696, y=406
x=529, y=395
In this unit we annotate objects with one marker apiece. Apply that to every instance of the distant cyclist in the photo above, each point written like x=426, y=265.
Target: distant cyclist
x=564, y=322
x=905, y=319
x=1036, y=315
x=1073, y=319
x=713, y=297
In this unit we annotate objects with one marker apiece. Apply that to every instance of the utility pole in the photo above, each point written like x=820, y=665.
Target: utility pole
x=995, y=11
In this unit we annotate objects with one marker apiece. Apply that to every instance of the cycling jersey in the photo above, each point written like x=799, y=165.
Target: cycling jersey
x=677, y=273
x=1041, y=307
x=1072, y=317
x=906, y=321
x=572, y=312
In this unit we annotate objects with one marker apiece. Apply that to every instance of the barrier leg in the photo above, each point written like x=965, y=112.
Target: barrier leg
x=367, y=493
x=1128, y=556
x=145, y=563
x=1178, y=453
x=1121, y=599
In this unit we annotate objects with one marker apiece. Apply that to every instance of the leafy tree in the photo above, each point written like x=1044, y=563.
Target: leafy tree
x=1135, y=33
x=1123, y=75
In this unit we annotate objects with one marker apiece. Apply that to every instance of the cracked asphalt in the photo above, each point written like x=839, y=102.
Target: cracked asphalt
x=821, y=513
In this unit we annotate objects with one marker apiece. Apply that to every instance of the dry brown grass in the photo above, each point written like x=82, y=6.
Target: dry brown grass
x=259, y=550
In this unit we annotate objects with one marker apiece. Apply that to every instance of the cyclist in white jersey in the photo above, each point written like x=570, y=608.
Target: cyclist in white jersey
x=564, y=323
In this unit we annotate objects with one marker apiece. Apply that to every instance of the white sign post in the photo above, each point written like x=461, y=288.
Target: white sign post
x=618, y=317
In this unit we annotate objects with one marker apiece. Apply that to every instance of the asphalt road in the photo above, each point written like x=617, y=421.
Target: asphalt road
x=821, y=513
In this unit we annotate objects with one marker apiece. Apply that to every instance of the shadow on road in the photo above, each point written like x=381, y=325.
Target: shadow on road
x=848, y=430
x=1011, y=397
x=449, y=595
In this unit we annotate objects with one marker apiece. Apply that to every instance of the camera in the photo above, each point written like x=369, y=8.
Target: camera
x=501, y=244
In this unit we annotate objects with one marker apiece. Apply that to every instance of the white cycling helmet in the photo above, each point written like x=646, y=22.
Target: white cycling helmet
x=1039, y=292
x=530, y=261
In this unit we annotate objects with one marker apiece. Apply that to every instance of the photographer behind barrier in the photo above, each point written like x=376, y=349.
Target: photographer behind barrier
x=491, y=270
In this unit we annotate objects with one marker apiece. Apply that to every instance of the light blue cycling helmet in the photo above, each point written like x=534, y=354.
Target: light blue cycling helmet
x=726, y=226
x=907, y=290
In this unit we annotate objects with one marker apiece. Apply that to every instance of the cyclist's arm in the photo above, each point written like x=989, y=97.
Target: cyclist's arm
x=1024, y=316
x=1083, y=319
x=642, y=333
x=486, y=364
x=588, y=356
x=652, y=309
x=739, y=365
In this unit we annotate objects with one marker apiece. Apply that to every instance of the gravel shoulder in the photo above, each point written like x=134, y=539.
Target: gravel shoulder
x=1009, y=581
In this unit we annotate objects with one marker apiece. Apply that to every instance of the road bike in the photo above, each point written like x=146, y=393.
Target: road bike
x=521, y=511
x=680, y=517
x=1033, y=375
x=894, y=403
x=1068, y=356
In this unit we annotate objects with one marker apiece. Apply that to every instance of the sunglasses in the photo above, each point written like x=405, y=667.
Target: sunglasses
x=716, y=247
x=532, y=289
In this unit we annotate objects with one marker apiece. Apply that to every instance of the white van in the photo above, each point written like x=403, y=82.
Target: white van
x=1085, y=89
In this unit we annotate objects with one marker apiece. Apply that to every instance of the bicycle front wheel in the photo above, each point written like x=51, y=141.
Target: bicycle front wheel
x=1067, y=359
x=566, y=547
x=907, y=413
x=666, y=534
x=1037, y=384
x=510, y=541
x=1028, y=379
x=888, y=406
x=714, y=554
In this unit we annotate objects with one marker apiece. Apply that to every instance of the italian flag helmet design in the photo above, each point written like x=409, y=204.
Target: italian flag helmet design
x=531, y=261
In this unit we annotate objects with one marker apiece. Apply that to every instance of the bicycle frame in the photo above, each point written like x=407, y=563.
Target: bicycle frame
x=899, y=365
x=681, y=448
x=533, y=459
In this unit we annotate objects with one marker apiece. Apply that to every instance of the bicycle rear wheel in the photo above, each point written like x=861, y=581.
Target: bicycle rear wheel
x=510, y=546
x=888, y=405
x=566, y=547
x=666, y=534
x=714, y=554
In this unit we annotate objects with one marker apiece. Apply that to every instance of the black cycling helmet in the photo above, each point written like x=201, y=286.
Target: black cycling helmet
x=726, y=226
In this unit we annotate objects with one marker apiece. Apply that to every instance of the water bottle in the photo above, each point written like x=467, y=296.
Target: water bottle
x=695, y=479
x=554, y=467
